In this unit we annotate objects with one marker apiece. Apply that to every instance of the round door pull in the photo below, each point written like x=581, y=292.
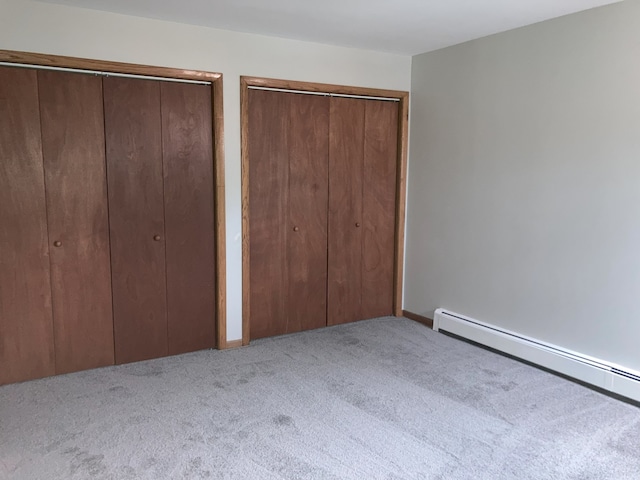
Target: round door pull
x=295, y=229
x=156, y=238
x=57, y=243
x=357, y=224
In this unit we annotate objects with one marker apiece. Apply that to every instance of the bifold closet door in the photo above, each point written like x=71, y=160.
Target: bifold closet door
x=75, y=178
x=26, y=323
x=379, y=207
x=268, y=193
x=161, y=208
x=107, y=228
x=133, y=131
x=362, y=199
x=308, y=196
x=346, y=165
x=288, y=189
x=187, y=146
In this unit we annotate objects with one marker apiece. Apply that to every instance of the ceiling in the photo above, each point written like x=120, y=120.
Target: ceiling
x=406, y=27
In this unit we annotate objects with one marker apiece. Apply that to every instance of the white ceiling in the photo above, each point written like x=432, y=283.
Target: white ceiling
x=399, y=26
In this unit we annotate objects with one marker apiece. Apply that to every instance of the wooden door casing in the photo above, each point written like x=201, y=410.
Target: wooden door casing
x=52, y=307
x=187, y=147
x=379, y=200
x=386, y=145
x=346, y=164
x=133, y=127
x=75, y=177
x=26, y=320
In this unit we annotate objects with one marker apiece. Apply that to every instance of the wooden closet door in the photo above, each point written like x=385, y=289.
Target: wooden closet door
x=288, y=188
x=379, y=200
x=346, y=163
x=268, y=121
x=136, y=217
x=26, y=326
x=187, y=146
x=308, y=197
x=75, y=177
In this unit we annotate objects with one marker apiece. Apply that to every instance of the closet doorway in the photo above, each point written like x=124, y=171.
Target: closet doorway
x=323, y=184
x=112, y=189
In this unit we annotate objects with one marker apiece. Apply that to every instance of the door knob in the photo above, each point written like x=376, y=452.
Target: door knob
x=156, y=238
x=57, y=243
x=357, y=224
x=295, y=229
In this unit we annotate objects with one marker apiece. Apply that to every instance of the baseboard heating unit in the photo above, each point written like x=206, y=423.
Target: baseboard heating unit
x=606, y=375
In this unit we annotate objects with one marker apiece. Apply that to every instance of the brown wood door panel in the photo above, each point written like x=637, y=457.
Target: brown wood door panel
x=136, y=217
x=338, y=201
x=26, y=324
x=308, y=201
x=346, y=157
x=189, y=216
x=268, y=125
x=75, y=177
x=379, y=200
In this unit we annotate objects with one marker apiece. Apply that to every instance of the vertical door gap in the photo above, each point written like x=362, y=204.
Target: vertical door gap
x=165, y=240
x=106, y=180
x=329, y=216
x=46, y=208
x=363, y=222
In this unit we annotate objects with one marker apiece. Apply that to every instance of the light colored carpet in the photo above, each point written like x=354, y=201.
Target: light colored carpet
x=380, y=399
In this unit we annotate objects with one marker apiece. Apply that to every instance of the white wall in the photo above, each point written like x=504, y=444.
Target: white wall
x=524, y=182
x=45, y=28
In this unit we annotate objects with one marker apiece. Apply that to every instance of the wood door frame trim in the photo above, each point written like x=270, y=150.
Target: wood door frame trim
x=60, y=61
x=217, y=117
x=401, y=174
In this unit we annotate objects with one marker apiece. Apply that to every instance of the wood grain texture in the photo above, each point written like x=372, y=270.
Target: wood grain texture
x=187, y=148
x=220, y=241
x=288, y=143
x=346, y=163
x=75, y=177
x=105, y=66
x=379, y=208
x=321, y=87
x=268, y=118
x=401, y=199
x=245, y=174
x=26, y=325
x=221, y=269
x=401, y=162
x=218, y=127
x=136, y=214
x=306, y=245
x=428, y=322
x=218, y=134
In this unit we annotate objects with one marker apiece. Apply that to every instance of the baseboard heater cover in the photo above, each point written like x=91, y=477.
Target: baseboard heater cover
x=612, y=377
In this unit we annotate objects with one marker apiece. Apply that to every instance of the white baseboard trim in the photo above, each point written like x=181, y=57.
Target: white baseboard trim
x=612, y=377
